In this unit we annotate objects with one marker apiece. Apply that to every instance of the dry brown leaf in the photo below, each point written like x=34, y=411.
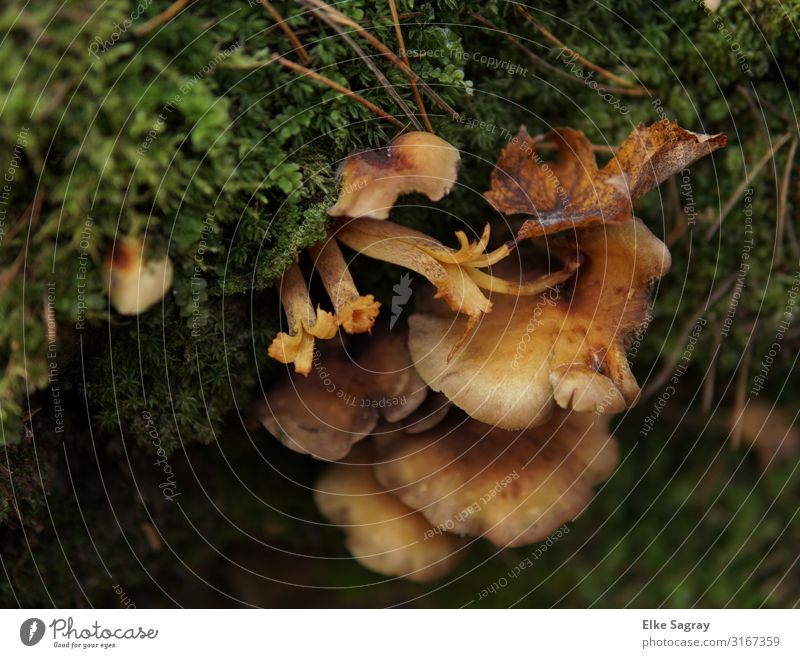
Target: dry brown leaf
x=573, y=192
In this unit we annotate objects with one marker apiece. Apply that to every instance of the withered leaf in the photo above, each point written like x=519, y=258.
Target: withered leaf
x=573, y=192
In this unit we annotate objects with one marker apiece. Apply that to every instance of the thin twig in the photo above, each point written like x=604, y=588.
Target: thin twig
x=404, y=56
x=622, y=91
x=388, y=86
x=383, y=50
x=29, y=216
x=783, y=199
x=336, y=86
x=287, y=30
x=666, y=372
x=740, y=394
x=744, y=91
x=711, y=374
x=552, y=38
x=731, y=202
x=162, y=18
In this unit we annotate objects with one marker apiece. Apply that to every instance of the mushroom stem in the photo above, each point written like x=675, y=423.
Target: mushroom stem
x=304, y=323
x=355, y=313
x=386, y=241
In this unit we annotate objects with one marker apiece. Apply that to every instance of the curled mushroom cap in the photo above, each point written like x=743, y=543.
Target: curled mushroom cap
x=135, y=284
x=564, y=347
x=383, y=534
x=415, y=162
x=305, y=324
x=512, y=488
x=340, y=401
x=355, y=313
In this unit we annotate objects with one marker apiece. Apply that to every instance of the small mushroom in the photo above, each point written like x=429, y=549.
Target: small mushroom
x=767, y=430
x=415, y=162
x=383, y=534
x=355, y=313
x=513, y=488
x=322, y=415
x=340, y=402
x=135, y=284
x=563, y=347
x=297, y=346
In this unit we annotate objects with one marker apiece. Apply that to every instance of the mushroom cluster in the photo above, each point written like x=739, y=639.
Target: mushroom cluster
x=488, y=416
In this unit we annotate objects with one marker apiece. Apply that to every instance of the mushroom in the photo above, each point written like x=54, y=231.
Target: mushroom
x=305, y=325
x=322, y=415
x=455, y=273
x=767, y=430
x=326, y=413
x=563, y=347
x=135, y=284
x=383, y=534
x=355, y=313
x=415, y=162
x=513, y=488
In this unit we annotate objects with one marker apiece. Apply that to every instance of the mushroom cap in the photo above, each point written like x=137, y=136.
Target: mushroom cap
x=340, y=401
x=135, y=285
x=323, y=414
x=414, y=162
x=388, y=371
x=564, y=347
x=513, y=488
x=383, y=534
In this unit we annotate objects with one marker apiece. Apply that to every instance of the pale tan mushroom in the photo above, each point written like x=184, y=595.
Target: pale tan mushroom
x=563, y=347
x=383, y=534
x=134, y=283
x=323, y=414
x=513, y=488
x=371, y=181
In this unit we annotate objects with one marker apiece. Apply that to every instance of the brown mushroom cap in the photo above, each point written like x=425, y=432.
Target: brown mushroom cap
x=473, y=479
x=563, y=347
x=383, y=534
x=415, y=162
x=340, y=401
x=321, y=415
